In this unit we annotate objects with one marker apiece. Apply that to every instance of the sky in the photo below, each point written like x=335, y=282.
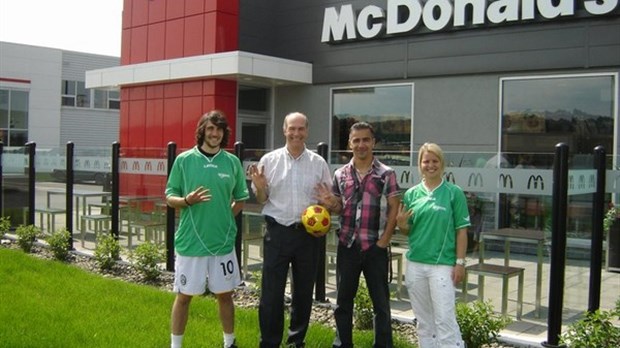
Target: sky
x=92, y=26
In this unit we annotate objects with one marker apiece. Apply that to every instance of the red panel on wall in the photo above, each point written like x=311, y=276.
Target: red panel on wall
x=155, y=92
x=153, y=128
x=175, y=9
x=228, y=6
x=221, y=32
x=193, y=36
x=157, y=11
x=125, y=46
x=192, y=110
x=173, y=108
x=138, y=45
x=127, y=14
x=155, y=43
x=174, y=35
x=137, y=117
x=137, y=93
x=192, y=88
x=139, y=12
x=173, y=90
x=220, y=87
x=193, y=7
x=124, y=123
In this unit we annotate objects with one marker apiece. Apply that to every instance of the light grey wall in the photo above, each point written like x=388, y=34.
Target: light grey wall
x=313, y=101
x=87, y=127
x=49, y=124
x=42, y=67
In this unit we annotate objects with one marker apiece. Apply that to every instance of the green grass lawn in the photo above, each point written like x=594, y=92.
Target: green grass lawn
x=51, y=304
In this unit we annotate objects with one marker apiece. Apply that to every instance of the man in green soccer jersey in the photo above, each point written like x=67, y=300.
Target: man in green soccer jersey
x=208, y=185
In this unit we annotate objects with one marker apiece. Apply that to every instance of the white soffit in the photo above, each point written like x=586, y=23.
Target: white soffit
x=245, y=67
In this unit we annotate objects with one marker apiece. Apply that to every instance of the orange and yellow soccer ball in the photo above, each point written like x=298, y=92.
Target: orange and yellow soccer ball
x=316, y=219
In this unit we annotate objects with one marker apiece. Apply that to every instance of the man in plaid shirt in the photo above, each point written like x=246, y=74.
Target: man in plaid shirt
x=366, y=195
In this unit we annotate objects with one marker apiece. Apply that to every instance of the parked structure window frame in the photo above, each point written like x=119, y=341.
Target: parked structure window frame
x=14, y=108
x=387, y=107
x=538, y=112
x=75, y=94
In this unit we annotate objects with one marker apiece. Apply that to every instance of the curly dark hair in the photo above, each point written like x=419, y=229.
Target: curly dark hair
x=218, y=118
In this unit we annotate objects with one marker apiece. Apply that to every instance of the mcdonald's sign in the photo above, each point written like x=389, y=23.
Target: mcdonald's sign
x=148, y=166
x=474, y=177
x=161, y=166
x=135, y=166
x=534, y=180
x=506, y=179
x=124, y=165
x=404, y=176
x=450, y=177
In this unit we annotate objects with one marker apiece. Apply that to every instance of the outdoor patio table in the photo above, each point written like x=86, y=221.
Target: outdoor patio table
x=519, y=235
x=82, y=195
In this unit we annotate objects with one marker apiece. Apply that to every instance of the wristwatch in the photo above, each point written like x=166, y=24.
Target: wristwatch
x=461, y=262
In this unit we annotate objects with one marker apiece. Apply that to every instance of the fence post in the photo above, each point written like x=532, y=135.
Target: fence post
x=558, y=245
x=319, y=289
x=170, y=213
x=1, y=180
x=239, y=152
x=596, y=250
x=69, y=190
x=115, y=213
x=32, y=147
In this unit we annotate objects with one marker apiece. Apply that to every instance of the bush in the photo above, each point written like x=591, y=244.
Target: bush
x=5, y=225
x=479, y=324
x=362, y=308
x=26, y=236
x=257, y=276
x=594, y=330
x=107, y=252
x=59, y=243
x=146, y=258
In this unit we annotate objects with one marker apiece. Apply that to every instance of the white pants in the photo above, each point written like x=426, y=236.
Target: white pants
x=431, y=292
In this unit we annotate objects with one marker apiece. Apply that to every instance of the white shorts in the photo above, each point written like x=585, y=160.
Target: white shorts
x=191, y=273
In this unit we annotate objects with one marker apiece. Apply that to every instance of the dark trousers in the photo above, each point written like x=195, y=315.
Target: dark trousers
x=350, y=262
x=283, y=246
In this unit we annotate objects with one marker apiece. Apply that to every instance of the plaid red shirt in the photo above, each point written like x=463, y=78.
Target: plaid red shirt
x=364, y=203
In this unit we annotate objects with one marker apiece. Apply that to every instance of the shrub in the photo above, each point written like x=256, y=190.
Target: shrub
x=362, y=308
x=146, y=258
x=595, y=329
x=479, y=324
x=108, y=250
x=5, y=225
x=26, y=236
x=258, y=279
x=59, y=243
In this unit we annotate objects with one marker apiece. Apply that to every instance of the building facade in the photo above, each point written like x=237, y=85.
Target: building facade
x=473, y=75
x=43, y=98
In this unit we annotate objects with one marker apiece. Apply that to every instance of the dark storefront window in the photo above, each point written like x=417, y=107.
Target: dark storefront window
x=540, y=112
x=388, y=108
x=13, y=117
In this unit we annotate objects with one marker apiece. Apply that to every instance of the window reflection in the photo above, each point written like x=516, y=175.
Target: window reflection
x=388, y=109
x=13, y=117
x=537, y=114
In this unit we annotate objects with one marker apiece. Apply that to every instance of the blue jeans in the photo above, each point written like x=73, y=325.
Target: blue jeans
x=374, y=262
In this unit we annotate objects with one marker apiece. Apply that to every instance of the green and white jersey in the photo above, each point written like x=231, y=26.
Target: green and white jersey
x=437, y=215
x=207, y=228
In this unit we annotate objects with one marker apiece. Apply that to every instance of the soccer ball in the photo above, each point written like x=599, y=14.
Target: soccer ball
x=316, y=219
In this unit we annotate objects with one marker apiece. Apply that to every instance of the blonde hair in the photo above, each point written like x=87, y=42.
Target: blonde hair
x=435, y=150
